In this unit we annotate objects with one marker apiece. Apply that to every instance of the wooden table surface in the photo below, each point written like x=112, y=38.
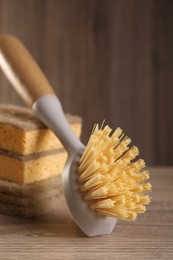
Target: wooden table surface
x=57, y=237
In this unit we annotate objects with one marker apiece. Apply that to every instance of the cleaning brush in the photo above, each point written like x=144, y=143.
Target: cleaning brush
x=112, y=180
x=103, y=181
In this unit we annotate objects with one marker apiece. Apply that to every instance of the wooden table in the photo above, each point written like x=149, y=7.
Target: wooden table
x=57, y=237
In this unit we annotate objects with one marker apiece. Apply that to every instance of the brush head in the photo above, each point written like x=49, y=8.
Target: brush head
x=112, y=180
x=104, y=181
x=89, y=221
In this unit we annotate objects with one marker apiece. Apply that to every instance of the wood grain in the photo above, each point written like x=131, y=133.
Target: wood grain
x=163, y=81
x=108, y=60
x=22, y=71
x=55, y=236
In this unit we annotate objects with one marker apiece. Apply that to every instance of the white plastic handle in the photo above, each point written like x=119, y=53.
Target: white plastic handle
x=49, y=110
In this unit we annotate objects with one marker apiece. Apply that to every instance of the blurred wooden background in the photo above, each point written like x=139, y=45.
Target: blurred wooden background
x=107, y=59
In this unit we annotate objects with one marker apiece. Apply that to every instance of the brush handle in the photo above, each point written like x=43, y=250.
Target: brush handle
x=30, y=83
x=49, y=110
x=22, y=71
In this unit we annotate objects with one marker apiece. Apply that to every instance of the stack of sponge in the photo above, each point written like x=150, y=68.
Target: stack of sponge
x=31, y=162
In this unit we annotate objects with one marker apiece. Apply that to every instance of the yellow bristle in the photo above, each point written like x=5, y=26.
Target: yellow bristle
x=101, y=192
x=140, y=209
x=104, y=168
x=86, y=160
x=142, y=176
x=138, y=189
x=120, y=164
x=145, y=200
x=112, y=184
x=102, y=204
x=122, y=147
x=93, y=182
x=92, y=169
x=146, y=186
x=132, y=215
x=135, y=197
x=117, y=133
x=120, y=199
x=117, y=212
x=131, y=153
x=137, y=166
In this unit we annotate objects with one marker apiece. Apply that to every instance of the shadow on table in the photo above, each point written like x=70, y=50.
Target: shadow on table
x=54, y=224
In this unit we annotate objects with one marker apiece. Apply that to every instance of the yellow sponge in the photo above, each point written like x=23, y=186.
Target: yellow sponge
x=29, y=151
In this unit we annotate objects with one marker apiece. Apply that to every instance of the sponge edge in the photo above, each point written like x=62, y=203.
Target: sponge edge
x=23, y=133
x=25, y=172
x=31, y=199
x=29, y=151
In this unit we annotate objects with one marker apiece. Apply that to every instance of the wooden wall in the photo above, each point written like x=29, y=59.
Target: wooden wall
x=107, y=59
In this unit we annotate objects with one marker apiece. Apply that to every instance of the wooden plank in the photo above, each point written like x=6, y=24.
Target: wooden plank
x=55, y=236
x=107, y=60
x=24, y=20
x=163, y=82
